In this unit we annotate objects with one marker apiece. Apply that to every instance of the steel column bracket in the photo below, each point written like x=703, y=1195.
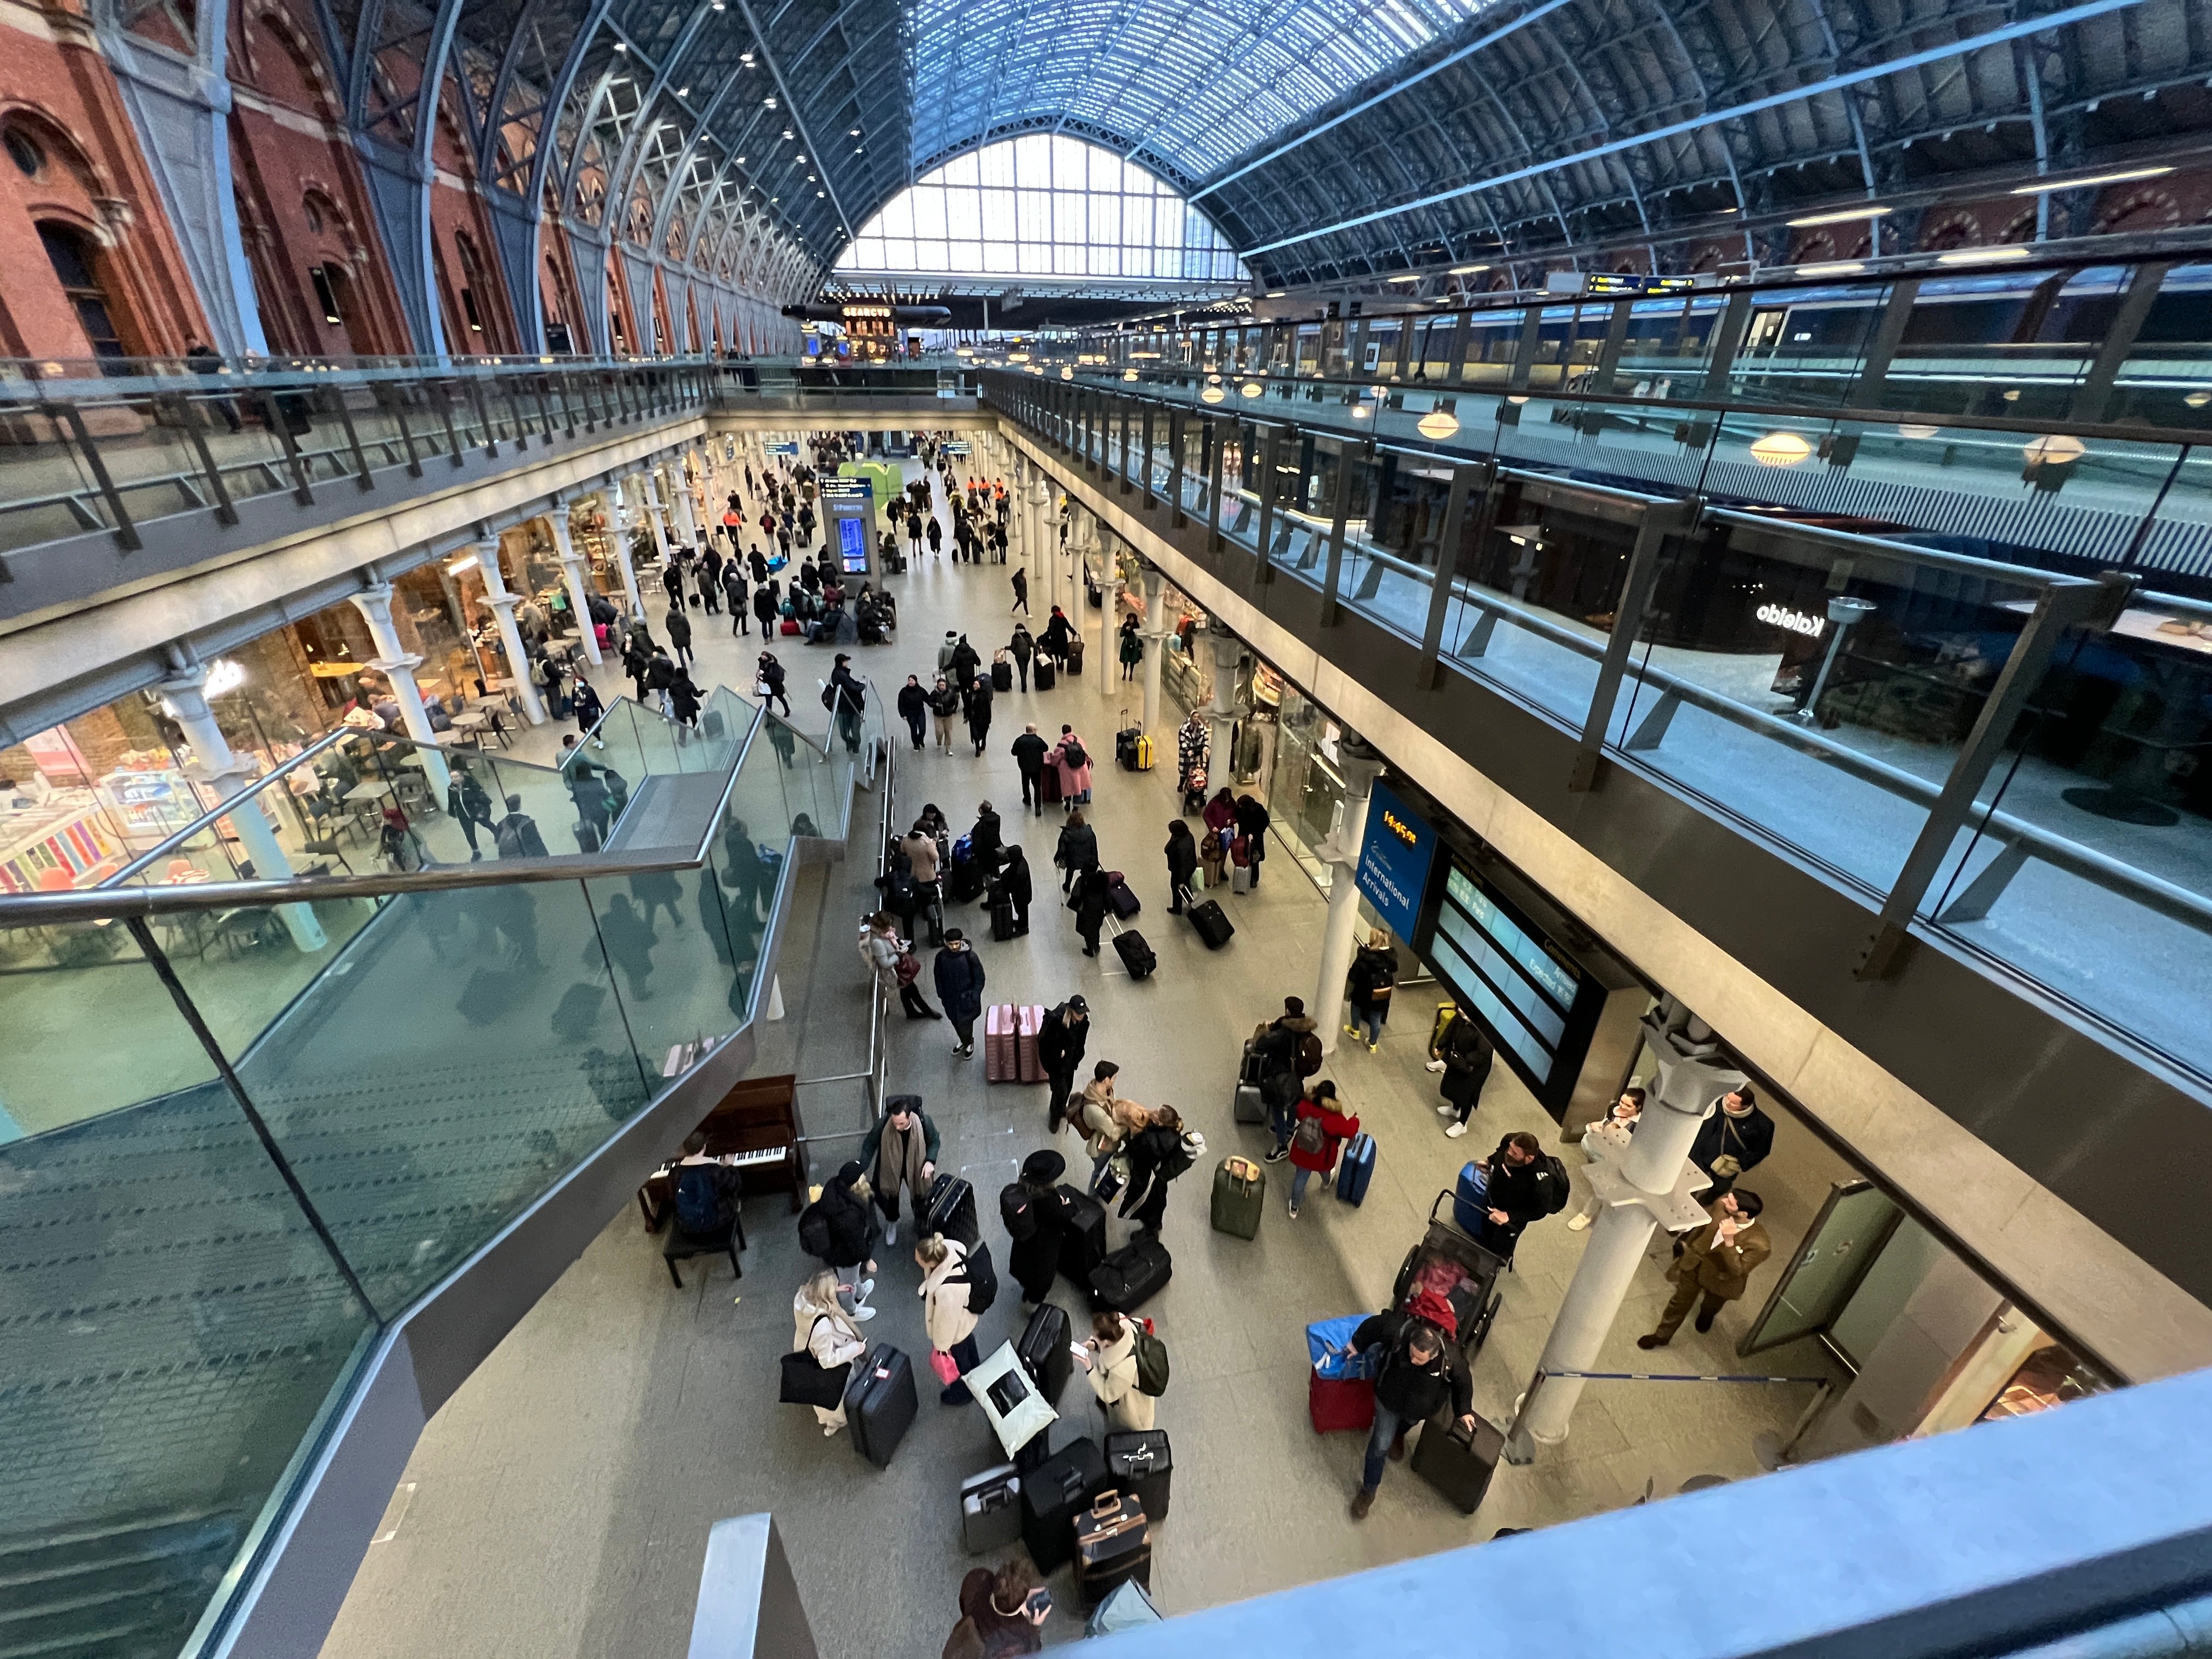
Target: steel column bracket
x=1428, y=671
x=1661, y=520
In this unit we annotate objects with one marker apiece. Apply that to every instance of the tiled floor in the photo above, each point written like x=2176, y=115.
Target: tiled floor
x=561, y=1501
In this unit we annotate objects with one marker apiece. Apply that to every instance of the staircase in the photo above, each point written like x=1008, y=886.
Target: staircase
x=123, y=1590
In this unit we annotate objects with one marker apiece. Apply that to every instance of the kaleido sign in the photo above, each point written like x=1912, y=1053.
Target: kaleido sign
x=1797, y=622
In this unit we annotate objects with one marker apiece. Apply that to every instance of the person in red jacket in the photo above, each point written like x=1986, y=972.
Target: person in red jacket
x=1322, y=1129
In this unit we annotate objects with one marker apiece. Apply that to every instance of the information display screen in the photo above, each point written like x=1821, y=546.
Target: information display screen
x=1498, y=968
x=853, y=546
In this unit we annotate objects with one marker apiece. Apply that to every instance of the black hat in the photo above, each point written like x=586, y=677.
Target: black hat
x=1040, y=1169
x=849, y=1171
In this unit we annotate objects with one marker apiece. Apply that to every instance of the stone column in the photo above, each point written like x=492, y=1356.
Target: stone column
x=686, y=515
x=184, y=694
x=1154, y=636
x=398, y=664
x=1222, y=717
x=655, y=515
x=621, y=532
x=579, y=582
x=502, y=605
x=1044, y=558
x=1651, y=1185
x=1360, y=765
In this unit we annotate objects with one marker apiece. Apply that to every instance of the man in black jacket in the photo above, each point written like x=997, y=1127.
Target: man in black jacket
x=1421, y=1372
x=1059, y=1051
x=1734, y=1140
x=1028, y=751
x=1525, y=1186
x=914, y=709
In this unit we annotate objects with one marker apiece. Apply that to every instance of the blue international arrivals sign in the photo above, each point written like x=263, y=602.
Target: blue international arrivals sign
x=1395, y=859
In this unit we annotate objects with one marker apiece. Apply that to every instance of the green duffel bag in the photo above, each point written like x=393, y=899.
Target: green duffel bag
x=1240, y=1194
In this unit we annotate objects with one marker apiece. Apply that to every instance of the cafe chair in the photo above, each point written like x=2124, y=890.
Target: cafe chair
x=725, y=1240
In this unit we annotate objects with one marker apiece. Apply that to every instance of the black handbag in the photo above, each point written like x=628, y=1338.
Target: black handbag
x=807, y=1381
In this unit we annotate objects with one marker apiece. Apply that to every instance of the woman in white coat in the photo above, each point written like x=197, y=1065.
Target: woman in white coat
x=823, y=1328
x=1110, y=1359
x=944, y=1311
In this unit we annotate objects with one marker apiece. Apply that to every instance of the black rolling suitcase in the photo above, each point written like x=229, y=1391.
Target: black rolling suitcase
x=1125, y=1279
x=950, y=1209
x=1082, y=1246
x=1139, y=1461
x=1125, y=747
x=1214, y=926
x=1003, y=927
x=1136, y=955
x=1042, y=1348
x=1121, y=896
x=1053, y=1493
x=1002, y=677
x=964, y=881
x=1460, y=1469
x=1042, y=674
x=880, y=1404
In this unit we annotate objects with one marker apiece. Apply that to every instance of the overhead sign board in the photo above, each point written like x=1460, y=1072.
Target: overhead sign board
x=1394, y=861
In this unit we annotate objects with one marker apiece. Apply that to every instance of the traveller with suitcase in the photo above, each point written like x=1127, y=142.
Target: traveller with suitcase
x=958, y=1286
x=1073, y=758
x=1322, y=1126
x=900, y=1151
x=1035, y=1220
x=1108, y=1359
x=1420, y=1375
x=825, y=1341
x=1157, y=1154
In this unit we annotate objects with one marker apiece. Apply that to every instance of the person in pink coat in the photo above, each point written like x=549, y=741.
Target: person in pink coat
x=1074, y=780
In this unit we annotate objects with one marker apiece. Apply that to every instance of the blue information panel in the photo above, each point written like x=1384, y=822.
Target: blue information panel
x=785, y=449
x=1394, y=860
x=848, y=503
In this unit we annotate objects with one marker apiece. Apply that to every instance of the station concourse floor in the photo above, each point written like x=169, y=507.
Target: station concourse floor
x=559, y=1504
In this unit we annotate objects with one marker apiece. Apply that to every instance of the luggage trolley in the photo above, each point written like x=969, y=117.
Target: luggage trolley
x=1460, y=1270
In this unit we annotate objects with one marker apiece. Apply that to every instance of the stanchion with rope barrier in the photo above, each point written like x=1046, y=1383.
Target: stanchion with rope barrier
x=1771, y=1450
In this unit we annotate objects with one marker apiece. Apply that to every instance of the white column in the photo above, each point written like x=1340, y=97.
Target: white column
x=685, y=514
x=1153, y=636
x=624, y=497
x=1652, y=1184
x=656, y=516
x=398, y=664
x=1222, y=716
x=1044, y=561
x=580, y=585
x=184, y=694
x=1360, y=764
x=502, y=605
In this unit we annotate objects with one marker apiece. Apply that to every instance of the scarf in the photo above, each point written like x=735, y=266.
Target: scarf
x=887, y=1176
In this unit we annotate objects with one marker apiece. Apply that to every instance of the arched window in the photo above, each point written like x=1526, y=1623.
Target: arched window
x=1044, y=205
x=74, y=259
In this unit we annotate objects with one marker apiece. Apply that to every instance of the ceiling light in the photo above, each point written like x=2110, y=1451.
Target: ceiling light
x=1066, y=373
x=741, y=161
x=854, y=133
x=768, y=102
x=2056, y=450
x=1251, y=389
x=1438, y=424
x=1410, y=276
x=1842, y=268
x=1911, y=431
x=1780, y=449
x=1466, y=271
x=1975, y=256
x=459, y=565
x=1212, y=394
x=2199, y=399
x=821, y=192
x=620, y=46
x=1516, y=400
x=2042, y=186
x=1360, y=411
x=1842, y=216
x=1276, y=294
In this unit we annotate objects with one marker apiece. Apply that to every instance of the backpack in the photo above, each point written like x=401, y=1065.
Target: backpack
x=1555, y=1191
x=1309, y=1053
x=1071, y=756
x=508, y=839
x=698, y=1200
x=1152, y=1360
x=1309, y=1137
x=1189, y=1149
x=814, y=1231
x=829, y=696
x=1017, y=1211
x=981, y=1278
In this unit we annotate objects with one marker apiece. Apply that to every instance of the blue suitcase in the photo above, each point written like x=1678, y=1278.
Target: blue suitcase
x=1356, y=1168
x=1471, y=1200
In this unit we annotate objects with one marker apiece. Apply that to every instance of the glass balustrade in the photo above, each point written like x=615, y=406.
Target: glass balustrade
x=195, y=1264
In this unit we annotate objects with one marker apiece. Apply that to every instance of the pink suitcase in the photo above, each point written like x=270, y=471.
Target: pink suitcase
x=999, y=1064
x=1030, y=1020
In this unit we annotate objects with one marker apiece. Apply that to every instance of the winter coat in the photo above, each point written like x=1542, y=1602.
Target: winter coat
x=1524, y=1191
x=921, y=852
x=1035, y=1260
x=905, y=1167
x=1373, y=971
x=880, y=952
x=1191, y=744
x=1028, y=752
x=1220, y=817
x=1467, y=1055
x=1022, y=645
x=1748, y=1139
x=986, y=840
x=1149, y=1150
x=1132, y=647
x=960, y=982
x=1183, y=862
x=1060, y=1045
x=1074, y=779
x=1101, y=1131
x=832, y=1338
x=945, y=1312
x=979, y=710
x=1415, y=1393
x=679, y=628
x=1078, y=848
x=913, y=703
x=966, y=661
x=851, y=1227
x=1090, y=901
x=1114, y=1379
x=1336, y=1127
x=1015, y=874
x=1252, y=826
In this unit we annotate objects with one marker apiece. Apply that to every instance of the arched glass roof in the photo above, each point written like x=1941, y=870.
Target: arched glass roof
x=1189, y=86
x=1043, y=205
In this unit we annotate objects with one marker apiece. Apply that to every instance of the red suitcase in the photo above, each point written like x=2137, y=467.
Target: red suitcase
x=999, y=1061
x=1339, y=1403
x=1028, y=1021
